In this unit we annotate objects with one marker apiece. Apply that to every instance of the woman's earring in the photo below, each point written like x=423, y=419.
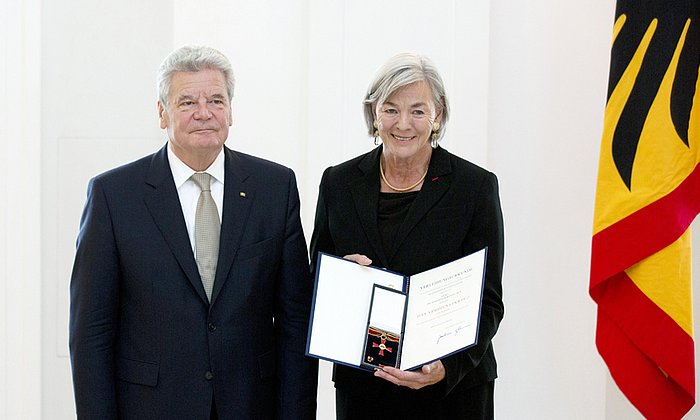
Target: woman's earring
x=434, y=135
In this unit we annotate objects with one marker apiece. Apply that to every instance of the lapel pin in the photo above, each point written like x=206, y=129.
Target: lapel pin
x=435, y=179
x=242, y=194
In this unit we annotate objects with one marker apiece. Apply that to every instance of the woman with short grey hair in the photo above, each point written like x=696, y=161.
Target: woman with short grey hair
x=402, y=70
x=408, y=206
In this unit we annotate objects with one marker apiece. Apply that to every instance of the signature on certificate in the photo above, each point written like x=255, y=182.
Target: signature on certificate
x=452, y=332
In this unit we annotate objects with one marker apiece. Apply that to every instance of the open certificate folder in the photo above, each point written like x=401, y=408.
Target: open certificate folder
x=368, y=317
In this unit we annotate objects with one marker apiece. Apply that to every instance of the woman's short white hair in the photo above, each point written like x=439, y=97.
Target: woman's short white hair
x=401, y=70
x=193, y=58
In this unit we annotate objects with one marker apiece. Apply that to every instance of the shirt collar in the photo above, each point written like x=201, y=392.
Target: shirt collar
x=182, y=172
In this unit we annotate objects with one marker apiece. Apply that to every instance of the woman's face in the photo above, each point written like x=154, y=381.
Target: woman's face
x=405, y=121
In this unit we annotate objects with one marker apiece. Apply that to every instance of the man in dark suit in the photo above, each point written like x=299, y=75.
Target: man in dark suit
x=174, y=315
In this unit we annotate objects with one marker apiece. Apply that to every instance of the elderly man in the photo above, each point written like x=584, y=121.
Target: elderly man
x=190, y=290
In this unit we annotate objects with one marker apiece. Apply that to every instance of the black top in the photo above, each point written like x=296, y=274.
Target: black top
x=392, y=211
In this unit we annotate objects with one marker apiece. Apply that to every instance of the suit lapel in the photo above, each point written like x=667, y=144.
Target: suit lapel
x=238, y=197
x=365, y=195
x=163, y=203
x=436, y=184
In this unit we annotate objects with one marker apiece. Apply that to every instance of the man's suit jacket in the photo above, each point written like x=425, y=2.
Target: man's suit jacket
x=145, y=342
x=456, y=212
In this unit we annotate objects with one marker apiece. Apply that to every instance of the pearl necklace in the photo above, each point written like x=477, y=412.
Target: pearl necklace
x=381, y=172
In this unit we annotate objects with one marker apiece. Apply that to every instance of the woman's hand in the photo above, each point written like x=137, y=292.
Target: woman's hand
x=358, y=258
x=429, y=374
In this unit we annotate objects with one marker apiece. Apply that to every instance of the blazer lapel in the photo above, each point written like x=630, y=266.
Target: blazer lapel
x=163, y=203
x=365, y=194
x=238, y=197
x=436, y=184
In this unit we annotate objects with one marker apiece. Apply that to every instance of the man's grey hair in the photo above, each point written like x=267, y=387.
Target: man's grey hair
x=401, y=70
x=193, y=58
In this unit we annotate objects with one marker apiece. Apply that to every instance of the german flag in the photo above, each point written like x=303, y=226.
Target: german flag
x=648, y=193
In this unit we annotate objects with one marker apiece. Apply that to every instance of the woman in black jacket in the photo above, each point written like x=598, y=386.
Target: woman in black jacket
x=408, y=206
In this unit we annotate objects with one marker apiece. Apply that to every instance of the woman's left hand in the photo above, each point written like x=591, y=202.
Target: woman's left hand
x=429, y=374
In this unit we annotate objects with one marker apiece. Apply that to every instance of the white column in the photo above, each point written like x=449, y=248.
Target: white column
x=20, y=190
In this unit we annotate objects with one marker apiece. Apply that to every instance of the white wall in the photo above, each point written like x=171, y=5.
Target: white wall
x=20, y=234
x=549, y=65
x=527, y=81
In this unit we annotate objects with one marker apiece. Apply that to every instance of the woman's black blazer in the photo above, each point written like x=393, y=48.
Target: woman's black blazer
x=456, y=212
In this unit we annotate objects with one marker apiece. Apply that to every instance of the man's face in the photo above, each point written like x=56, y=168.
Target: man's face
x=197, y=116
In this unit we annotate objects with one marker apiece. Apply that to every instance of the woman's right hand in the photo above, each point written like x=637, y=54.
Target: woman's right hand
x=358, y=258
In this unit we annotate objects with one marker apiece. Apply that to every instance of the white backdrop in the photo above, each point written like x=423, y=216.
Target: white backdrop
x=527, y=82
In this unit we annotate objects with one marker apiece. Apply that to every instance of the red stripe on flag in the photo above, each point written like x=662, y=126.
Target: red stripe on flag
x=646, y=231
x=635, y=337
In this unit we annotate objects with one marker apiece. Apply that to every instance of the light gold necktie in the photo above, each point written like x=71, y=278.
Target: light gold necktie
x=206, y=232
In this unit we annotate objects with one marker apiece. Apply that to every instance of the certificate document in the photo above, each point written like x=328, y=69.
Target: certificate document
x=368, y=317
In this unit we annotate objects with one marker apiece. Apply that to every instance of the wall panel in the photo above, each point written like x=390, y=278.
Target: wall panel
x=98, y=97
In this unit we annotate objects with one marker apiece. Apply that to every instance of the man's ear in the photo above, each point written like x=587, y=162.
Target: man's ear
x=162, y=115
